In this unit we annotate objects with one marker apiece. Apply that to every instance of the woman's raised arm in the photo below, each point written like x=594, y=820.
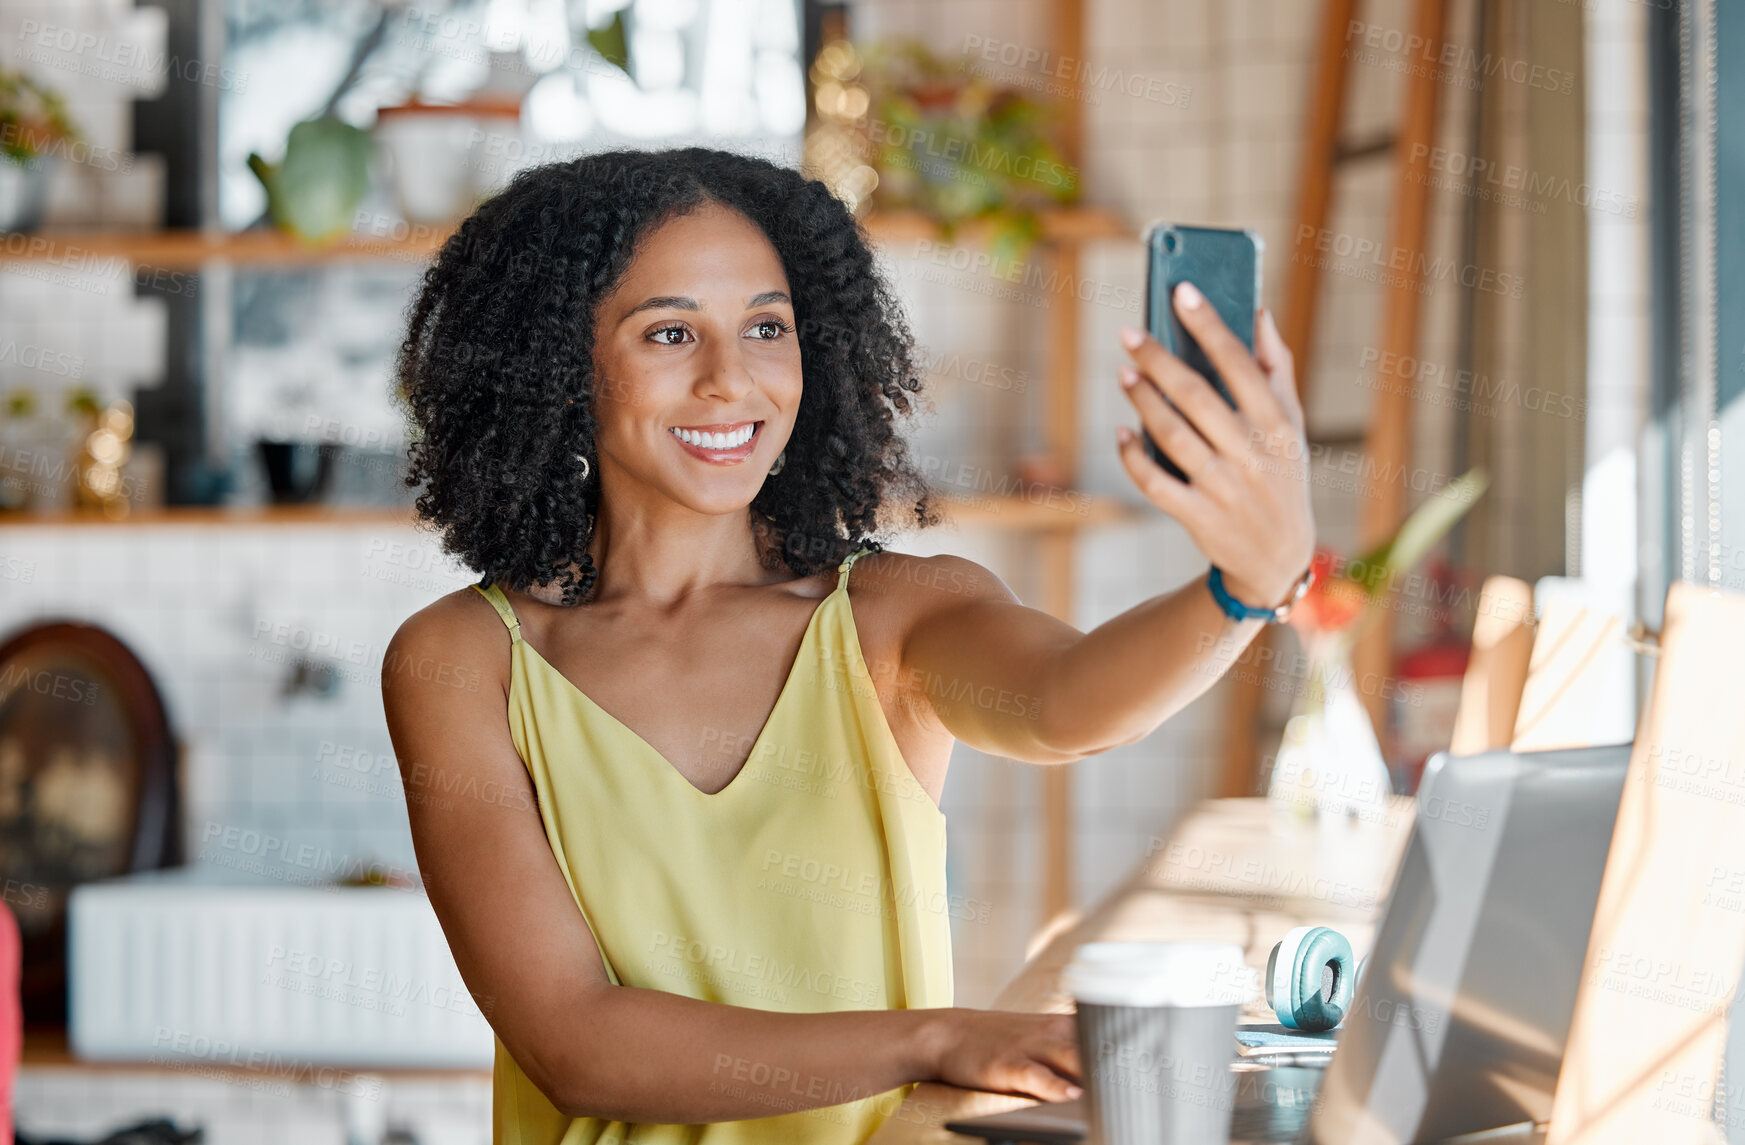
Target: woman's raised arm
x=1017, y=682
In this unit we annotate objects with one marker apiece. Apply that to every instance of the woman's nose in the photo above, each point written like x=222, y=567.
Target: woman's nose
x=724, y=375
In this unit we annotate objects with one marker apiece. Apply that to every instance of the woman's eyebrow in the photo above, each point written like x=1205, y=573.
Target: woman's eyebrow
x=664, y=302
x=682, y=302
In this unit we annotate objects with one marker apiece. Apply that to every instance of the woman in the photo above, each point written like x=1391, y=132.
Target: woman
x=695, y=876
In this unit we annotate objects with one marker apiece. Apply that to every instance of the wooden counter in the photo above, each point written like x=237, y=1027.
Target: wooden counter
x=1235, y=870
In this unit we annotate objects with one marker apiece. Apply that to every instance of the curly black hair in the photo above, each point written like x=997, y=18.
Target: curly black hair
x=497, y=366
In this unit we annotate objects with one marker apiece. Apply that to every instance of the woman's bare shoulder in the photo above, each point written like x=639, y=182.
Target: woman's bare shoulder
x=905, y=589
x=456, y=640
x=941, y=575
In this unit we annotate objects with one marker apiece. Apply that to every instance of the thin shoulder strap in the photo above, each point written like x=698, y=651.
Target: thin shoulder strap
x=501, y=603
x=847, y=565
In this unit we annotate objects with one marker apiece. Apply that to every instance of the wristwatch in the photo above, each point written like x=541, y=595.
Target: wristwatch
x=1236, y=610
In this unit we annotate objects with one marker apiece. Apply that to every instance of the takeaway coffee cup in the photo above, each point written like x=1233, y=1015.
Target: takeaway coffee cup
x=1156, y=1034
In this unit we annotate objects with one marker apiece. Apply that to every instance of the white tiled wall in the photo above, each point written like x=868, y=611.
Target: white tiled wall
x=220, y=616
x=65, y=328
x=99, y=56
x=75, y=321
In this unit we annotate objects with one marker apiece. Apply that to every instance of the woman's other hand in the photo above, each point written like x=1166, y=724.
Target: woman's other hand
x=1001, y=1051
x=1246, y=503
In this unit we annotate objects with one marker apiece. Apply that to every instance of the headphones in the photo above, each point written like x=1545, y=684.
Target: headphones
x=1311, y=977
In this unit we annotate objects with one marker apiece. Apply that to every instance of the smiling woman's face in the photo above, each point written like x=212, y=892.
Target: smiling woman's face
x=697, y=367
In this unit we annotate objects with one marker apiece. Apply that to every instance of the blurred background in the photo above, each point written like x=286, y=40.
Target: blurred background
x=1492, y=238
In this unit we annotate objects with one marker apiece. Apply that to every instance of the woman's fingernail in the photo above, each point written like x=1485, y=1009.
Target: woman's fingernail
x=1073, y=1093
x=1131, y=338
x=1123, y=434
x=1189, y=296
x=1128, y=375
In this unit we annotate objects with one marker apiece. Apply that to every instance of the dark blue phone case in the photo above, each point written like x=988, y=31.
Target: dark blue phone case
x=1225, y=266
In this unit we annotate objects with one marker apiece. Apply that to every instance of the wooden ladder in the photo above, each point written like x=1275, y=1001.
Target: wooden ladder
x=1388, y=439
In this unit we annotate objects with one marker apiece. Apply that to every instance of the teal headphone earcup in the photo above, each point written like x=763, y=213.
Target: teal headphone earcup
x=1310, y=977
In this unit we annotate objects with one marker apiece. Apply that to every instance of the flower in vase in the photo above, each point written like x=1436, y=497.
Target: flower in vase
x=1334, y=601
x=1329, y=758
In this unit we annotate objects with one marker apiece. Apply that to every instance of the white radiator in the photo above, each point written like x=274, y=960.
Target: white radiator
x=194, y=967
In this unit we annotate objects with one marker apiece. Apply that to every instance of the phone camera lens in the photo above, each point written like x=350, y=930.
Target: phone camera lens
x=1169, y=242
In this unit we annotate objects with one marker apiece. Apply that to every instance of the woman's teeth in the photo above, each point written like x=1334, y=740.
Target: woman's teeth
x=730, y=440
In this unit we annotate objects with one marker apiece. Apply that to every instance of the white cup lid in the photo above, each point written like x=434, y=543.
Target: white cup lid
x=1160, y=974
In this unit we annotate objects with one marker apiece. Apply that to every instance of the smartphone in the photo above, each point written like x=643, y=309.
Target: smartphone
x=1225, y=266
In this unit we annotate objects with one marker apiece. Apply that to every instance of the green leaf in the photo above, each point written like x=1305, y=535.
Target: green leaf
x=315, y=192
x=33, y=118
x=1429, y=522
x=83, y=400
x=609, y=40
x=1015, y=232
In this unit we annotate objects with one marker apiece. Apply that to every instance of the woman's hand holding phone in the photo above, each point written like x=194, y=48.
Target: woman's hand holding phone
x=1246, y=500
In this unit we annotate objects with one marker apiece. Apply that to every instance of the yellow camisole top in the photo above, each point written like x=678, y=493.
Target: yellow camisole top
x=813, y=882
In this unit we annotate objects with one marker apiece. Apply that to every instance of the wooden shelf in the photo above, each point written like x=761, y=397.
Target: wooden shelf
x=48, y=1049
x=218, y=515
x=192, y=249
x=189, y=250
x=1043, y=511
x=1068, y=225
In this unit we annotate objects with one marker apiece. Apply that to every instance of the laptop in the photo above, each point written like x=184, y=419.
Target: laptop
x=1461, y=1016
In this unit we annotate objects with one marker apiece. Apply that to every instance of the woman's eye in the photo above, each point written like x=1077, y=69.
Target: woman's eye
x=769, y=328
x=670, y=335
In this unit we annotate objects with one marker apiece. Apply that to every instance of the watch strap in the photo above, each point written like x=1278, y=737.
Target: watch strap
x=1236, y=610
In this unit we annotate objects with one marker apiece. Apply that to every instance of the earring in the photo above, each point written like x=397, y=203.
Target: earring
x=586, y=468
x=781, y=460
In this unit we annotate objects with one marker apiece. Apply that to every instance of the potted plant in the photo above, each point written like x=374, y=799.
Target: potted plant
x=34, y=125
x=443, y=158
x=960, y=148
x=314, y=192
x=17, y=411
